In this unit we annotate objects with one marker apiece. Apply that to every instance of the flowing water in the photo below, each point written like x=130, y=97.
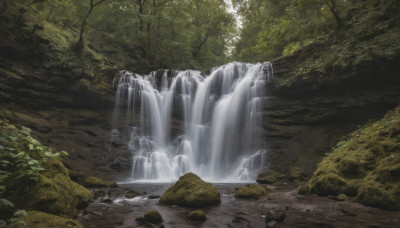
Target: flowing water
x=219, y=117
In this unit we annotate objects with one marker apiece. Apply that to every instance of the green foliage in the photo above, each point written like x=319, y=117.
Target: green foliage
x=274, y=28
x=365, y=165
x=191, y=191
x=23, y=162
x=157, y=34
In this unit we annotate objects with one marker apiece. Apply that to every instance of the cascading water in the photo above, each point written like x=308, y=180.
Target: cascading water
x=220, y=119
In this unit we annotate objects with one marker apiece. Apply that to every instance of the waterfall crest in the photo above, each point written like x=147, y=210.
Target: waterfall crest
x=218, y=115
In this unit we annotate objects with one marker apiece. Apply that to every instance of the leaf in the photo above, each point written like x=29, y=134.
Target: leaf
x=1, y=147
x=13, y=138
x=48, y=154
x=20, y=213
x=5, y=202
x=31, y=147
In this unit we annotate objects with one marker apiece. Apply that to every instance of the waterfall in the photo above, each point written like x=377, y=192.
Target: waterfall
x=219, y=118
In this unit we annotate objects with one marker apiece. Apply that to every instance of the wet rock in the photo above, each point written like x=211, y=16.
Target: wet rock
x=340, y=197
x=322, y=224
x=272, y=224
x=153, y=197
x=251, y=191
x=131, y=194
x=374, y=226
x=268, y=177
x=107, y=201
x=191, y=191
x=197, y=216
x=239, y=219
x=278, y=216
x=348, y=213
x=98, y=194
x=153, y=217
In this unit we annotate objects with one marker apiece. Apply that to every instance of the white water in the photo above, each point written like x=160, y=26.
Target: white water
x=220, y=123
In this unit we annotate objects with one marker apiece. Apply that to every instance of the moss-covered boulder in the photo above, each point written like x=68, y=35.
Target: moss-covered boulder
x=268, y=177
x=37, y=219
x=153, y=217
x=197, y=216
x=297, y=174
x=366, y=165
x=94, y=182
x=53, y=193
x=251, y=191
x=191, y=191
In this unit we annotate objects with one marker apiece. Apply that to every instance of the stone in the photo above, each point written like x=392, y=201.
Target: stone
x=197, y=216
x=191, y=191
x=131, y=194
x=278, y=216
x=268, y=177
x=153, y=217
x=251, y=191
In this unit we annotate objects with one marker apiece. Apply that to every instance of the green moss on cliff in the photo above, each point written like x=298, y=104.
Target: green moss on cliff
x=93, y=182
x=366, y=165
x=191, y=191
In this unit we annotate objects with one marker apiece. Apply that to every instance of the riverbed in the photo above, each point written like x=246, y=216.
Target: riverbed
x=110, y=208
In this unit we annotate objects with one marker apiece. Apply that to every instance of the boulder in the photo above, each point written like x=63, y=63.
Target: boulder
x=191, y=191
x=268, y=177
x=197, y=216
x=251, y=191
x=153, y=217
x=37, y=219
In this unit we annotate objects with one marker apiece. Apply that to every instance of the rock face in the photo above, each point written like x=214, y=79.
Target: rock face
x=365, y=165
x=191, y=191
x=251, y=191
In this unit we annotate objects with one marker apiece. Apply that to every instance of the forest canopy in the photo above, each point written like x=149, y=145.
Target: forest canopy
x=200, y=34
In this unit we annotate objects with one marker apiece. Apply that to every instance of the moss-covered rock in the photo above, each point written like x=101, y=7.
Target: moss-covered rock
x=94, y=182
x=268, y=177
x=297, y=174
x=366, y=165
x=153, y=217
x=251, y=191
x=197, y=216
x=302, y=190
x=37, y=219
x=191, y=191
x=53, y=193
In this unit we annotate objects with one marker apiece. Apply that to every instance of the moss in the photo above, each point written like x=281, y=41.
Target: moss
x=197, y=216
x=251, y=191
x=131, y=194
x=302, y=190
x=94, y=182
x=297, y=174
x=342, y=197
x=153, y=217
x=37, y=219
x=191, y=191
x=53, y=193
x=365, y=165
x=268, y=177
